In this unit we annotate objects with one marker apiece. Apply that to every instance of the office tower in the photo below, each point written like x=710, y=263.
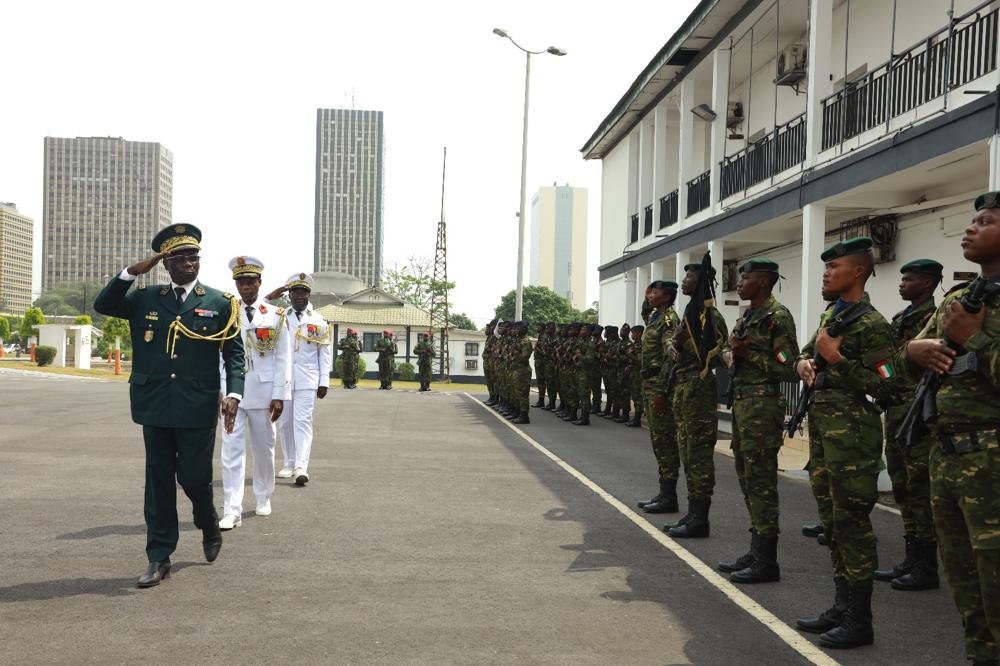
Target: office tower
x=350, y=151
x=559, y=242
x=16, y=237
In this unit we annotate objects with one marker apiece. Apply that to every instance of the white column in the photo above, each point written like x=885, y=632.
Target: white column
x=660, y=185
x=683, y=259
x=630, y=305
x=642, y=280
x=685, y=153
x=720, y=100
x=818, y=84
x=994, y=149
x=811, y=303
x=656, y=271
x=717, y=249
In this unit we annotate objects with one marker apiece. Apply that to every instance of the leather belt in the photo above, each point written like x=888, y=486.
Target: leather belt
x=969, y=442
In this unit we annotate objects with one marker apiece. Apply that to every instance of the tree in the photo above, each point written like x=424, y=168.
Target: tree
x=414, y=282
x=4, y=329
x=32, y=317
x=540, y=305
x=113, y=326
x=461, y=320
x=71, y=298
x=84, y=319
x=592, y=314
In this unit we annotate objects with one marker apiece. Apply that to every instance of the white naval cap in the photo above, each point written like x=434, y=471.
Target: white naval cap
x=299, y=281
x=246, y=266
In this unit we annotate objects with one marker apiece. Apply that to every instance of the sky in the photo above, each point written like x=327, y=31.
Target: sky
x=231, y=89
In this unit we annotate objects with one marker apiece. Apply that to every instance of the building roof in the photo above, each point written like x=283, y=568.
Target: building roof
x=374, y=307
x=693, y=41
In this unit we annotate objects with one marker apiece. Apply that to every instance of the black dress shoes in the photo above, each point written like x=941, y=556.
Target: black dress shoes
x=211, y=541
x=155, y=572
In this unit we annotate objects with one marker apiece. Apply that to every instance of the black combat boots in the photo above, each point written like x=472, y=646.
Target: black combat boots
x=831, y=617
x=666, y=501
x=552, y=404
x=636, y=421
x=923, y=574
x=584, y=419
x=522, y=417
x=624, y=416
x=607, y=409
x=903, y=567
x=541, y=400
x=743, y=561
x=697, y=525
x=855, y=629
x=764, y=568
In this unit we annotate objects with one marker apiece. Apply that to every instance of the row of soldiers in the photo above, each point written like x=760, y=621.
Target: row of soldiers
x=924, y=388
x=350, y=351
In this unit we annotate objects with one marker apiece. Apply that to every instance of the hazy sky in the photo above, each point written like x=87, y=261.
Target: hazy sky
x=232, y=90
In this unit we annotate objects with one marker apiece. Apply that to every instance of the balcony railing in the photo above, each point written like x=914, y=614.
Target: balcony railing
x=647, y=220
x=951, y=57
x=668, y=209
x=781, y=149
x=699, y=190
x=633, y=228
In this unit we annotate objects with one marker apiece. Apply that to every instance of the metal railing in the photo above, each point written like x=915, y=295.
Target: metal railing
x=951, y=57
x=780, y=149
x=647, y=220
x=698, y=192
x=668, y=209
x=633, y=222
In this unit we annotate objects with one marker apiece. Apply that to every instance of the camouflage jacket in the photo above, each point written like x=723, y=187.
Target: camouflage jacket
x=520, y=352
x=773, y=347
x=905, y=326
x=350, y=346
x=970, y=401
x=687, y=357
x=655, y=340
x=867, y=367
x=586, y=354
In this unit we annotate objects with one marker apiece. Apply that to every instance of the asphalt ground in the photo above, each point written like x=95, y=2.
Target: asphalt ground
x=432, y=532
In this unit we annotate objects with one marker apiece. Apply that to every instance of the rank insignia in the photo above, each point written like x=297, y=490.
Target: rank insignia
x=147, y=335
x=153, y=316
x=163, y=290
x=180, y=229
x=263, y=310
x=199, y=290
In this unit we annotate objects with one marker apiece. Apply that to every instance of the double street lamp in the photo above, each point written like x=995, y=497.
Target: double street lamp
x=519, y=295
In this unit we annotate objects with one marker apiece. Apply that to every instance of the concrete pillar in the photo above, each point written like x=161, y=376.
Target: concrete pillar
x=717, y=249
x=642, y=279
x=685, y=152
x=994, y=149
x=630, y=304
x=813, y=239
x=818, y=84
x=683, y=259
x=656, y=271
x=720, y=101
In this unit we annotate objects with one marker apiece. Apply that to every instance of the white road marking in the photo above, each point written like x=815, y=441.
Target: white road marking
x=12, y=372
x=789, y=636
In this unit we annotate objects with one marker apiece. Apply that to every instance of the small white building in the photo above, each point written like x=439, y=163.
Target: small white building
x=72, y=343
x=371, y=310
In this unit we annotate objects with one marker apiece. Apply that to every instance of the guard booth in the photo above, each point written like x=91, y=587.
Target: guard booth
x=72, y=343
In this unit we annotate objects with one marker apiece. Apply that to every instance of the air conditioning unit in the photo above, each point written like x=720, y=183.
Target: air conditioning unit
x=792, y=59
x=734, y=114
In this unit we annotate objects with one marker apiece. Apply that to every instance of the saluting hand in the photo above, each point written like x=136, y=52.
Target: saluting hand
x=276, y=294
x=146, y=265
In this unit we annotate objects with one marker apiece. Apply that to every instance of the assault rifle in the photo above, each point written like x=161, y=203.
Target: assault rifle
x=923, y=412
x=834, y=328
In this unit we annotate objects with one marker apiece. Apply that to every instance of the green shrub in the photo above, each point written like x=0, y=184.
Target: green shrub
x=339, y=370
x=44, y=354
x=405, y=372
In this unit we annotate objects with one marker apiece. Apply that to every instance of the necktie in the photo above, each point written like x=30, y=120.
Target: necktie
x=180, y=297
x=249, y=310
x=298, y=315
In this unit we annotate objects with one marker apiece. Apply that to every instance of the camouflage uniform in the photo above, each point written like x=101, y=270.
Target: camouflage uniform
x=387, y=350
x=631, y=375
x=596, y=373
x=964, y=472
x=662, y=427
x=424, y=351
x=586, y=360
x=521, y=349
x=488, y=365
x=609, y=370
x=541, y=378
x=551, y=368
x=567, y=380
x=350, y=349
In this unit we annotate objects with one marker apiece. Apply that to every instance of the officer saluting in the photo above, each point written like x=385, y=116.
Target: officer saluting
x=177, y=330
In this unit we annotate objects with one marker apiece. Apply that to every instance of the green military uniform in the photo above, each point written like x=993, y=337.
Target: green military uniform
x=551, y=366
x=632, y=377
x=520, y=355
x=350, y=351
x=387, y=350
x=758, y=419
x=541, y=379
x=585, y=363
x=488, y=363
x=594, y=373
x=567, y=377
x=424, y=351
x=609, y=371
x=174, y=387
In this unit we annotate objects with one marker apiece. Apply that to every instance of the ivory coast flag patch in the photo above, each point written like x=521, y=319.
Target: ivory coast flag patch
x=885, y=369
x=781, y=355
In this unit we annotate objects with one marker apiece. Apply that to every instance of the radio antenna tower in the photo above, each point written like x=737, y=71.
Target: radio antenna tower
x=439, y=299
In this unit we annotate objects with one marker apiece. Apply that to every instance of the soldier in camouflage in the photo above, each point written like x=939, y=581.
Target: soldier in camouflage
x=585, y=361
x=624, y=388
x=551, y=369
x=540, y=376
x=567, y=373
x=846, y=447
x=424, y=351
x=520, y=356
x=488, y=367
x=965, y=460
x=609, y=370
x=911, y=483
x=631, y=374
x=387, y=350
x=763, y=353
x=595, y=373
x=695, y=405
x=656, y=367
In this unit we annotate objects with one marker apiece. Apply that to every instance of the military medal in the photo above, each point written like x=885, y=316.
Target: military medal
x=147, y=335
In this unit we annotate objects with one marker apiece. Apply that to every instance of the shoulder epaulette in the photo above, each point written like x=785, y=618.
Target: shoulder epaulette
x=280, y=311
x=164, y=289
x=141, y=287
x=227, y=295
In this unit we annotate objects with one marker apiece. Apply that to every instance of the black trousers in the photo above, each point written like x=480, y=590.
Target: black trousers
x=176, y=455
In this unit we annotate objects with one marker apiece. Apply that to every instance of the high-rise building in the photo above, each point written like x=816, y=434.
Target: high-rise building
x=350, y=151
x=17, y=233
x=559, y=242
x=104, y=199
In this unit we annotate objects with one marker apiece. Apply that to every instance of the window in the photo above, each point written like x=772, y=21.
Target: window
x=471, y=364
x=472, y=349
x=369, y=341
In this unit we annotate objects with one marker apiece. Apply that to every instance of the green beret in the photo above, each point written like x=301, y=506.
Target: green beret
x=988, y=200
x=759, y=265
x=928, y=266
x=696, y=267
x=844, y=248
x=177, y=237
x=668, y=285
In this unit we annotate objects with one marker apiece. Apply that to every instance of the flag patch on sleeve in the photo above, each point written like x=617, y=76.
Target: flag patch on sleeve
x=781, y=355
x=885, y=369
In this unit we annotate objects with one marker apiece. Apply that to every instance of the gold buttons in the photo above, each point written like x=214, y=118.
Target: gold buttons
x=173, y=376
x=174, y=356
x=178, y=317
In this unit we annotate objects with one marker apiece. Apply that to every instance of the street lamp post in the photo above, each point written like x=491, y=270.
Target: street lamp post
x=519, y=294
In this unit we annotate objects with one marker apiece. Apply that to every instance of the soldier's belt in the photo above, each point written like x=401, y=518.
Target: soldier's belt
x=828, y=395
x=969, y=442
x=756, y=391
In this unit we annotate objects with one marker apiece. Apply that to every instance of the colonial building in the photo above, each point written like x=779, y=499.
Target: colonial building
x=780, y=127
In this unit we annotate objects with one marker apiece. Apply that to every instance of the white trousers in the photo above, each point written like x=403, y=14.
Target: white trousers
x=255, y=425
x=296, y=425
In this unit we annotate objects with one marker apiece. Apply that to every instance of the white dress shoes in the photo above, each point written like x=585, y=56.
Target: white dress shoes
x=285, y=473
x=263, y=508
x=301, y=478
x=229, y=521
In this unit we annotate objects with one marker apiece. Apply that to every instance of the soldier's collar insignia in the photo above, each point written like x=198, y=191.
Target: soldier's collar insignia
x=163, y=290
x=141, y=287
x=199, y=290
x=263, y=309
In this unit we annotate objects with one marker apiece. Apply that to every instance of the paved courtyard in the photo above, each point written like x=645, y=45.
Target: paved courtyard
x=432, y=532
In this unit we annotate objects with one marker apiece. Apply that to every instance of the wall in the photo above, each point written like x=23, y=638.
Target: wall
x=614, y=200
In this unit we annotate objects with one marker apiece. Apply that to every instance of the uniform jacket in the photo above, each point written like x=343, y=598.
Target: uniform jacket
x=268, y=356
x=311, y=359
x=179, y=390
x=773, y=347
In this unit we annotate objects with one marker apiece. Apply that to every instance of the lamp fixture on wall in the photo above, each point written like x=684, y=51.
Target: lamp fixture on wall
x=705, y=112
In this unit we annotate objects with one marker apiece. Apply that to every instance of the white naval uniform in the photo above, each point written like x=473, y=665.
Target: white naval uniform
x=311, y=362
x=268, y=377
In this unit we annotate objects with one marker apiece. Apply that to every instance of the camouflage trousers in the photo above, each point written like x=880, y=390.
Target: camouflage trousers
x=552, y=380
x=521, y=387
x=757, y=423
x=567, y=386
x=349, y=369
x=965, y=493
x=845, y=442
x=695, y=407
x=609, y=385
x=583, y=385
x=541, y=379
x=491, y=384
x=663, y=435
x=635, y=392
x=911, y=481
x=596, y=397
x=424, y=370
x=385, y=368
